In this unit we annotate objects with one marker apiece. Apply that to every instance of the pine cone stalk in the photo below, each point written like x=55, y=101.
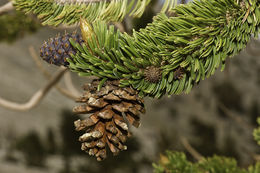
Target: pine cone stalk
x=107, y=127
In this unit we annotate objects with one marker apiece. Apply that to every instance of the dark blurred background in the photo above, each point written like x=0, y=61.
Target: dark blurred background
x=216, y=117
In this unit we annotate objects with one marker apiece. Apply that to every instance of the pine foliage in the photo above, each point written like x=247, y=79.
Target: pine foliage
x=185, y=48
x=55, y=12
x=169, y=56
x=176, y=162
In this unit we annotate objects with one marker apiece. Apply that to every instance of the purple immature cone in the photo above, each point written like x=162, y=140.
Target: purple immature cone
x=57, y=50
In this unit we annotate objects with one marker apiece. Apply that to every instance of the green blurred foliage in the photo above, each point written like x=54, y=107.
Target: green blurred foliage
x=176, y=162
x=14, y=25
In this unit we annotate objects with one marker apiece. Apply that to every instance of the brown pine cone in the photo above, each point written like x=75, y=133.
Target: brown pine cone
x=111, y=107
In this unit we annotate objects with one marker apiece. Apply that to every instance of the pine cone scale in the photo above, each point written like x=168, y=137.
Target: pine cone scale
x=83, y=109
x=134, y=121
x=99, y=103
x=106, y=113
x=112, y=97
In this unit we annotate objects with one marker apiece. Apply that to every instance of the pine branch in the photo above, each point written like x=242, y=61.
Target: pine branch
x=171, y=54
x=55, y=12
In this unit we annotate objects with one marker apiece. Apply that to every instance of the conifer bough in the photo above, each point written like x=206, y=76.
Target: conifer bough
x=169, y=56
x=172, y=53
x=55, y=12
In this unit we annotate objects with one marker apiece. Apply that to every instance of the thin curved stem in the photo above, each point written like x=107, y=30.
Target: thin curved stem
x=38, y=63
x=190, y=149
x=69, y=84
x=7, y=7
x=36, y=98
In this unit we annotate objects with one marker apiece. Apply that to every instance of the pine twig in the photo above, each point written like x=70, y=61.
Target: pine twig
x=36, y=98
x=7, y=7
x=190, y=149
x=38, y=63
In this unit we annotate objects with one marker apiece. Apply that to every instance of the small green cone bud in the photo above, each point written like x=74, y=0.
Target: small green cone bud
x=86, y=30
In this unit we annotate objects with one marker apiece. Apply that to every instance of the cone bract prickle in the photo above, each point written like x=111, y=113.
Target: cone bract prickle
x=57, y=50
x=112, y=109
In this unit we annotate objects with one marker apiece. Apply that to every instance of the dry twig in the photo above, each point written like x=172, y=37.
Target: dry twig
x=7, y=7
x=36, y=98
x=69, y=84
x=36, y=59
x=190, y=149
